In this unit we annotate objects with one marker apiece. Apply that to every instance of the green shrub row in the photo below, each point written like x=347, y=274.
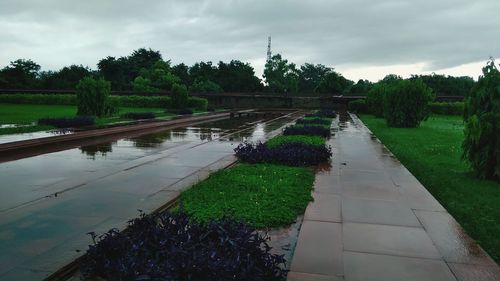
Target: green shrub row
x=142, y=101
x=447, y=108
x=128, y=101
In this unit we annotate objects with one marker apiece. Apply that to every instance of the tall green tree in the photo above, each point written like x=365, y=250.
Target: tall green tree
x=311, y=75
x=181, y=70
x=20, y=74
x=280, y=75
x=482, y=124
x=391, y=78
x=205, y=86
x=447, y=85
x=361, y=88
x=122, y=71
x=203, y=71
x=334, y=83
x=66, y=78
x=237, y=76
x=115, y=71
x=157, y=78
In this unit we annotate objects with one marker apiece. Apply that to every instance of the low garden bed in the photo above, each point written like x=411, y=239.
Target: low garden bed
x=214, y=233
x=67, y=122
x=309, y=130
x=171, y=246
x=291, y=154
x=138, y=115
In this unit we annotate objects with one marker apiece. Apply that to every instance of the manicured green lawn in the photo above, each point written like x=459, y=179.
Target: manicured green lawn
x=263, y=195
x=432, y=153
x=30, y=113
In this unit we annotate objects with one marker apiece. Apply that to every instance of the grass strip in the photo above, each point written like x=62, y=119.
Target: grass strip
x=263, y=195
x=432, y=153
x=309, y=140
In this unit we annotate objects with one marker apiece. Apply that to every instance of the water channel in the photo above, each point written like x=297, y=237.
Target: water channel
x=49, y=202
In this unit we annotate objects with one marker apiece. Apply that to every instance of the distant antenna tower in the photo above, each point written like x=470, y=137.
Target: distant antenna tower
x=269, y=54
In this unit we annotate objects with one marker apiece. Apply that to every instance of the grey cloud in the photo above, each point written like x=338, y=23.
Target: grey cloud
x=440, y=33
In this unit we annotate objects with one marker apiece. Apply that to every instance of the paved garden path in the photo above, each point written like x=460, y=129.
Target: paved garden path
x=372, y=220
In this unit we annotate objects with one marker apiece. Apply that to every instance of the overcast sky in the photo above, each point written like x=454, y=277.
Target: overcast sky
x=360, y=38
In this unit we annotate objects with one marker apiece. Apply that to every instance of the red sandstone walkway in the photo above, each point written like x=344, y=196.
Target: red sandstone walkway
x=372, y=220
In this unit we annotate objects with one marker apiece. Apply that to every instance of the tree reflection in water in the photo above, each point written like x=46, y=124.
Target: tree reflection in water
x=151, y=140
x=92, y=150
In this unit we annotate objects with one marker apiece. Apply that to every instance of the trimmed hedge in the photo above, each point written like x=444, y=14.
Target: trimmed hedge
x=142, y=101
x=357, y=106
x=447, y=108
x=171, y=246
x=74, y=122
x=128, y=101
x=291, y=154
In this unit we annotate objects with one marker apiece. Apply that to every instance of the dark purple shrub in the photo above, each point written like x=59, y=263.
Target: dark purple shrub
x=182, y=111
x=292, y=154
x=74, y=122
x=308, y=130
x=169, y=246
x=315, y=121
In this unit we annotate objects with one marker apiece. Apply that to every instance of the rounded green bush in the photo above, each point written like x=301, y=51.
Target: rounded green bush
x=406, y=103
x=357, y=106
x=482, y=124
x=375, y=99
x=179, y=98
x=92, y=96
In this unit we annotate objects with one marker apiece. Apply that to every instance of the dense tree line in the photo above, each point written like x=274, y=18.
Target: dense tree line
x=145, y=70
x=447, y=85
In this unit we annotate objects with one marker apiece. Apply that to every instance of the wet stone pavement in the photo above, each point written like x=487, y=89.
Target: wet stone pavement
x=372, y=220
x=50, y=202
